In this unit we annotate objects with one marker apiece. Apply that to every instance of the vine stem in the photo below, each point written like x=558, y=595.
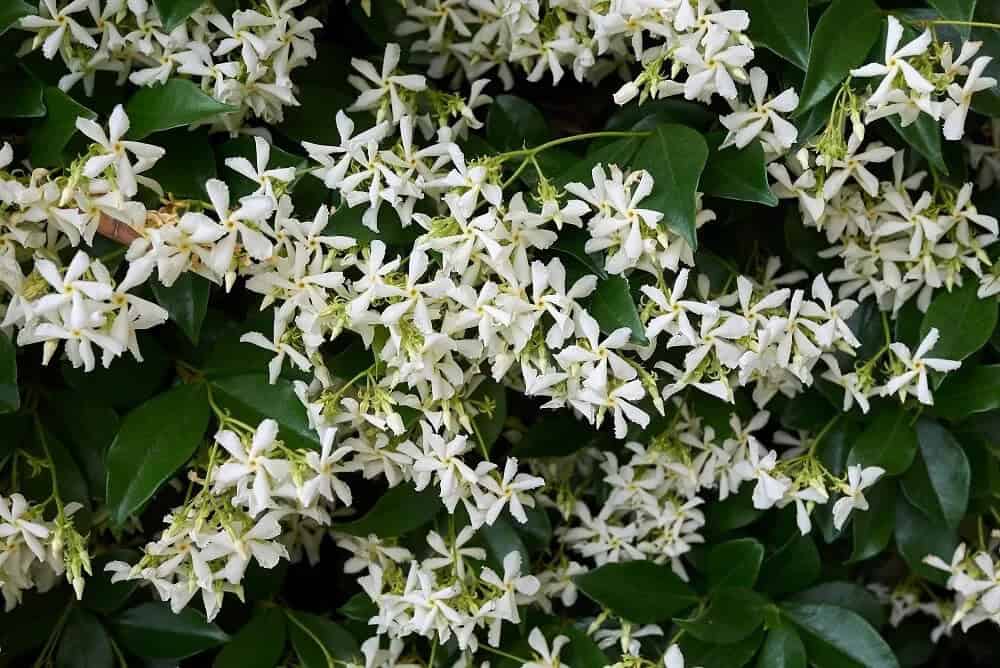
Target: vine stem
x=52, y=465
x=955, y=22
x=506, y=655
x=534, y=150
x=330, y=661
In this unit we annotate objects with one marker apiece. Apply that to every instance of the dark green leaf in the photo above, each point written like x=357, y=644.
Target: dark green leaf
x=702, y=654
x=101, y=594
x=618, y=152
x=736, y=173
x=924, y=135
x=400, y=510
x=127, y=382
x=251, y=398
x=152, y=631
x=675, y=155
x=872, y=528
x=24, y=96
x=959, y=10
x=87, y=426
x=84, y=643
x=144, y=455
x=186, y=301
x=782, y=649
x=50, y=137
x=11, y=11
x=317, y=640
x=838, y=638
x=735, y=563
x=176, y=103
x=555, y=435
x=514, y=123
x=970, y=390
x=844, y=35
x=964, y=321
x=501, y=539
x=918, y=536
x=732, y=615
x=639, y=591
x=889, y=441
x=646, y=116
x=845, y=595
x=491, y=396
x=10, y=397
x=781, y=26
x=259, y=644
x=938, y=483
x=173, y=12
x=359, y=607
x=613, y=308
x=582, y=651
x=572, y=243
x=792, y=567
x=735, y=512
x=188, y=163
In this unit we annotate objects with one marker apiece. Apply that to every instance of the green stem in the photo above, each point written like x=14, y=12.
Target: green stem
x=52, y=465
x=506, y=655
x=330, y=661
x=952, y=22
x=566, y=140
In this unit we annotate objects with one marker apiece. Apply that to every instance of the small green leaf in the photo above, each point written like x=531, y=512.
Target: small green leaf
x=24, y=96
x=359, y=608
x=938, y=482
x=186, y=301
x=612, y=306
x=259, y=644
x=837, y=638
x=84, y=643
x=781, y=26
x=970, y=390
x=251, y=398
x=144, y=455
x=924, y=135
x=319, y=642
x=845, y=595
x=514, y=123
x=844, y=35
x=889, y=441
x=732, y=615
x=11, y=11
x=639, y=591
x=964, y=321
x=397, y=512
x=872, y=529
x=10, y=397
x=174, y=12
x=675, y=155
x=918, y=536
x=782, y=649
x=176, y=103
x=50, y=137
x=735, y=563
x=153, y=631
x=736, y=173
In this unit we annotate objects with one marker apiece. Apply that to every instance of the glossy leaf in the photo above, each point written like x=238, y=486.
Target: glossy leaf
x=736, y=173
x=713, y=655
x=10, y=397
x=845, y=34
x=251, y=398
x=872, y=529
x=938, y=482
x=732, y=615
x=639, y=591
x=144, y=455
x=259, y=644
x=781, y=26
x=918, y=536
x=924, y=135
x=174, y=12
x=835, y=637
x=24, y=94
x=965, y=321
x=153, y=631
x=398, y=511
x=188, y=163
x=59, y=125
x=176, y=103
x=514, y=123
x=613, y=307
x=675, y=156
x=319, y=642
x=782, y=649
x=84, y=643
x=970, y=390
x=11, y=11
x=735, y=563
x=889, y=441
x=186, y=301
x=845, y=595
x=555, y=434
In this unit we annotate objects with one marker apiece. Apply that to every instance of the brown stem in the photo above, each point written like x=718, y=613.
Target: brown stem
x=116, y=230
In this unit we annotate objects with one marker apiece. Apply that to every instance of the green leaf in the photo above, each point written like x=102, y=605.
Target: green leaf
x=959, y=10
x=582, y=651
x=187, y=164
x=251, y=398
x=675, y=155
x=712, y=655
x=87, y=425
x=514, y=123
x=735, y=563
x=50, y=137
x=845, y=595
x=101, y=594
x=732, y=615
x=259, y=644
x=399, y=511
x=782, y=649
x=317, y=640
x=889, y=441
x=649, y=114
x=938, y=483
x=918, y=536
x=970, y=390
x=186, y=301
x=924, y=135
x=347, y=221
x=24, y=96
x=735, y=512
x=556, y=434
x=792, y=567
x=10, y=397
x=639, y=591
x=173, y=12
x=176, y=103
x=612, y=306
x=359, y=608
x=838, y=638
x=844, y=35
x=781, y=26
x=618, y=152
x=145, y=454
x=501, y=539
x=736, y=173
x=84, y=643
x=152, y=631
x=127, y=382
x=964, y=320
x=11, y=11
x=492, y=396
x=872, y=529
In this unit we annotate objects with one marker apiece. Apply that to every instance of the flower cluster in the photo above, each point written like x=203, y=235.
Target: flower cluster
x=244, y=60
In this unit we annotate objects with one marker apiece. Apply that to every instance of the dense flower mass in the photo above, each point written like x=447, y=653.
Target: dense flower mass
x=472, y=368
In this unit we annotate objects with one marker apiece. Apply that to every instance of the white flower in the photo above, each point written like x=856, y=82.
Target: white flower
x=746, y=124
x=895, y=62
x=114, y=151
x=913, y=378
x=509, y=490
x=544, y=656
x=961, y=98
x=858, y=479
